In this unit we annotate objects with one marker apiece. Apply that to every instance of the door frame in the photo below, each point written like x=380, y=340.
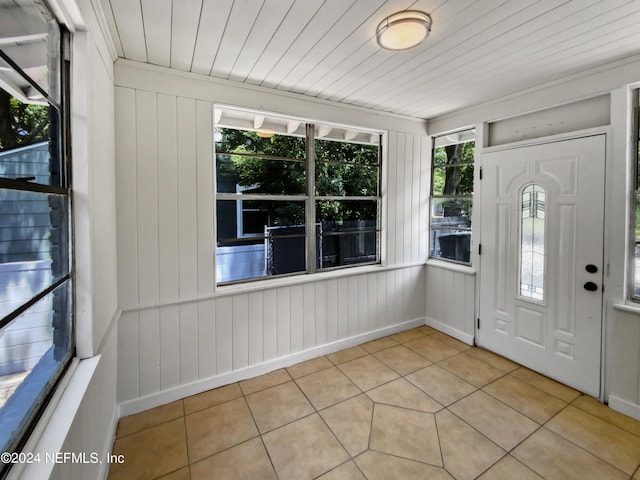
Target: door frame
x=481, y=149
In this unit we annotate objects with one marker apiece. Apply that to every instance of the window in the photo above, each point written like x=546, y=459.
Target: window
x=532, y=242
x=293, y=196
x=635, y=268
x=36, y=341
x=452, y=196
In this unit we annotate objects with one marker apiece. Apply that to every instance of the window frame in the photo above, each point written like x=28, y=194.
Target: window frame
x=309, y=196
x=63, y=190
x=443, y=196
x=634, y=224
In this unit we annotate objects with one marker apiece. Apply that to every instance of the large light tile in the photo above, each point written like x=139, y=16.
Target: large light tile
x=278, y=405
x=452, y=342
x=612, y=444
x=405, y=433
x=552, y=387
x=431, y=348
x=182, y=474
x=426, y=330
x=247, y=460
x=527, y=399
x=509, y=469
x=407, y=335
x=304, y=449
x=492, y=359
x=142, y=460
x=149, y=418
x=310, y=366
x=401, y=393
x=441, y=385
x=217, y=428
x=466, y=452
x=379, y=344
x=268, y=380
x=211, y=398
x=350, y=421
x=402, y=360
x=347, y=355
x=555, y=458
x=472, y=370
x=367, y=372
x=597, y=409
x=379, y=466
x=346, y=471
x=327, y=387
x=494, y=419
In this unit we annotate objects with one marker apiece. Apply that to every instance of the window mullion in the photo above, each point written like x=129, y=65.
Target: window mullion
x=310, y=210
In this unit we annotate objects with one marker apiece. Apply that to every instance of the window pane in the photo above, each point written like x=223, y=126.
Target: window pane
x=346, y=152
x=346, y=180
x=451, y=228
x=29, y=141
x=33, y=350
x=457, y=180
x=259, y=238
x=231, y=140
x=34, y=240
x=28, y=34
x=532, y=247
x=347, y=232
x=248, y=174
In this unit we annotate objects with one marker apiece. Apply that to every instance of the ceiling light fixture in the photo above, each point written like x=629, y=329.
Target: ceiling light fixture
x=403, y=30
x=265, y=133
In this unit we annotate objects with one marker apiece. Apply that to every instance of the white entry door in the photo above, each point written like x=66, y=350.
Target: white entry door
x=541, y=263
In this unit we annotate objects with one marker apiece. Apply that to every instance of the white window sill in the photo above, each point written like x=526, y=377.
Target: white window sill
x=455, y=267
x=628, y=307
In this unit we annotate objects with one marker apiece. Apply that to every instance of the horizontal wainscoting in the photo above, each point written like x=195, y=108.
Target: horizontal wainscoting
x=451, y=301
x=169, y=352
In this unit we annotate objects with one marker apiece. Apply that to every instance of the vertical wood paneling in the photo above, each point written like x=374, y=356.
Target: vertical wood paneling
x=451, y=298
x=270, y=312
x=147, y=196
x=284, y=321
x=224, y=335
x=205, y=201
x=168, y=198
x=332, y=310
x=189, y=366
x=425, y=193
x=297, y=318
x=352, y=306
x=187, y=204
x=309, y=315
x=126, y=184
x=469, y=304
x=363, y=304
x=321, y=313
x=382, y=300
x=206, y=338
x=170, y=347
x=128, y=357
x=240, y=321
x=415, y=221
x=149, y=347
x=256, y=328
x=343, y=308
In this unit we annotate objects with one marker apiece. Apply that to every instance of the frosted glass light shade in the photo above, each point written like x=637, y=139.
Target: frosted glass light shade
x=403, y=30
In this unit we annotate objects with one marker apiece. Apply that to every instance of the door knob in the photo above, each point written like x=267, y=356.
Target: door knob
x=591, y=268
x=590, y=286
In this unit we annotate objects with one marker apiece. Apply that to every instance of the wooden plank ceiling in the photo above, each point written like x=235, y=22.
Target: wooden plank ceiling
x=477, y=51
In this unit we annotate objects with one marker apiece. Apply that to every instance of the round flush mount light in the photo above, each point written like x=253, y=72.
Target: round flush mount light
x=265, y=133
x=403, y=30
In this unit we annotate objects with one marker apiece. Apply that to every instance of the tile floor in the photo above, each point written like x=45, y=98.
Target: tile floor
x=415, y=405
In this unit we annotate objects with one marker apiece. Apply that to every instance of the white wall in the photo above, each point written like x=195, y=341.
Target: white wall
x=179, y=334
x=621, y=319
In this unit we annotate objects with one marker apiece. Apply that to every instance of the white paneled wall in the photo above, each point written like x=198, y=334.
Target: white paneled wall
x=451, y=301
x=178, y=334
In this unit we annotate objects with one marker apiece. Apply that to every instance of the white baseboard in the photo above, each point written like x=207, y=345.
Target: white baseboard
x=624, y=406
x=452, y=332
x=136, y=405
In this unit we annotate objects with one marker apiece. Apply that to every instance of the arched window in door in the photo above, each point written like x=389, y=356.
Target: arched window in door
x=532, y=242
